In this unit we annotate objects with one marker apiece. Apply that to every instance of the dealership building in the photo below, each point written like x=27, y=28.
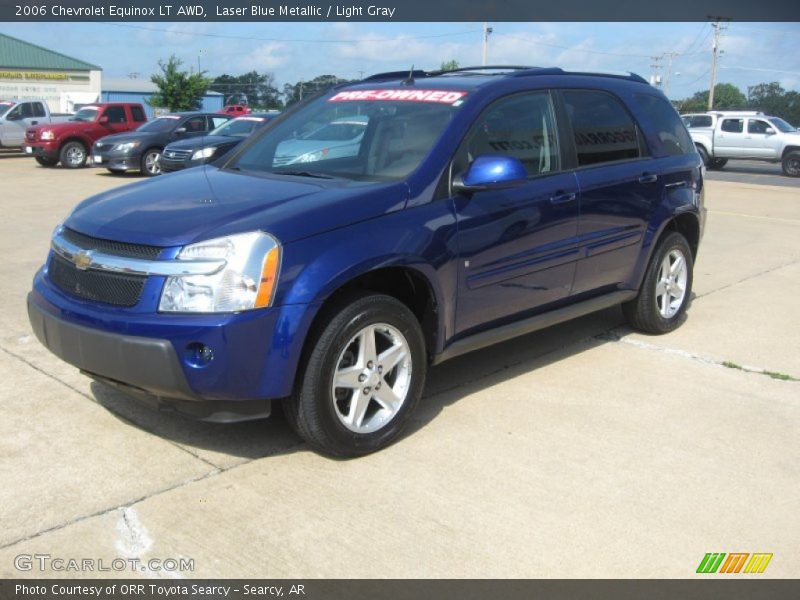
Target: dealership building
x=30, y=72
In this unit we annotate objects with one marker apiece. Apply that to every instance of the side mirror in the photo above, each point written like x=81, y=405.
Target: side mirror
x=491, y=173
x=769, y=131
x=180, y=131
x=103, y=120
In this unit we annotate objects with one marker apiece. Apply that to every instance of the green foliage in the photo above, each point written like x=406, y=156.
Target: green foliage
x=773, y=100
x=257, y=90
x=726, y=97
x=450, y=65
x=178, y=90
x=294, y=92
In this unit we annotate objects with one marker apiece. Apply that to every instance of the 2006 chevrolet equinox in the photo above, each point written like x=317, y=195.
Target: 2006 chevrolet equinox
x=478, y=205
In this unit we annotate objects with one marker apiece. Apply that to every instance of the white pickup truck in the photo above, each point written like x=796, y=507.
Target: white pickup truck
x=16, y=117
x=725, y=135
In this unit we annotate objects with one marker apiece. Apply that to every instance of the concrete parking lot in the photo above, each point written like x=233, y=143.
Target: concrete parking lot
x=585, y=450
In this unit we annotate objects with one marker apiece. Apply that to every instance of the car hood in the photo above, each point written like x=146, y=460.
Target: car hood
x=63, y=126
x=208, y=202
x=203, y=142
x=130, y=136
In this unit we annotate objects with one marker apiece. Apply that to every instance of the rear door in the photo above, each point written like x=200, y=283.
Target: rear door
x=619, y=184
x=729, y=138
x=516, y=246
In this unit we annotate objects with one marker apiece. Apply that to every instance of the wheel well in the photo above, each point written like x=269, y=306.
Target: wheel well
x=407, y=285
x=789, y=149
x=73, y=139
x=688, y=226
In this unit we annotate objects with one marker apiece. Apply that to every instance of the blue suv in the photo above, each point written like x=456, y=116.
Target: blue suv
x=478, y=205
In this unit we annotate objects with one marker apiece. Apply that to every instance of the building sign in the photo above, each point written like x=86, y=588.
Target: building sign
x=54, y=76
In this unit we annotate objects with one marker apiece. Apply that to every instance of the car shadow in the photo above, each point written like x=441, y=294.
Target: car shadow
x=447, y=384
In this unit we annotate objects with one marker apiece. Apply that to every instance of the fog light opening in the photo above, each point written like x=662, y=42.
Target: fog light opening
x=199, y=355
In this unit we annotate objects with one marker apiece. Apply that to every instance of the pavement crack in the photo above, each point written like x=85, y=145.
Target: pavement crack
x=615, y=336
x=748, y=278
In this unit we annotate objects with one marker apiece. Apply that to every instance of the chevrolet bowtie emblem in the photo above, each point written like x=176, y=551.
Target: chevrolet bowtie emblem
x=82, y=260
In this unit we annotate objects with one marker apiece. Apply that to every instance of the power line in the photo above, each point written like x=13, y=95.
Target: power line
x=762, y=70
x=284, y=40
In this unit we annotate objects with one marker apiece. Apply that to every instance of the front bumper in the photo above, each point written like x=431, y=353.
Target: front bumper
x=169, y=165
x=116, y=161
x=47, y=150
x=154, y=356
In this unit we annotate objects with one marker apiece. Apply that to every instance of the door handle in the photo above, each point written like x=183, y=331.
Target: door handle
x=561, y=197
x=648, y=178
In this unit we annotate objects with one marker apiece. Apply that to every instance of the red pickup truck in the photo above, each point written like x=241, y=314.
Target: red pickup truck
x=235, y=110
x=69, y=143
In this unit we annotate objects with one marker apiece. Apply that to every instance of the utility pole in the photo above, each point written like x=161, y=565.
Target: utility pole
x=486, y=32
x=655, y=78
x=670, y=56
x=715, y=52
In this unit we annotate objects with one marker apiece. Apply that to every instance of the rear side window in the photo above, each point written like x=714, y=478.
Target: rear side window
x=138, y=114
x=38, y=110
x=115, y=114
x=733, y=125
x=698, y=121
x=217, y=121
x=604, y=131
x=522, y=126
x=672, y=135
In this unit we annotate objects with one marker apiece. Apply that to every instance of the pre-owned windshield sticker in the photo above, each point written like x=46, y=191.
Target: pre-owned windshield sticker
x=436, y=96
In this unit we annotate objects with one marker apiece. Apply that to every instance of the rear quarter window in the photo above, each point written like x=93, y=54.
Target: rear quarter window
x=669, y=129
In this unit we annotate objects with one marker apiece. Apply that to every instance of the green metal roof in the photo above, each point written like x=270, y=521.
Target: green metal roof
x=16, y=54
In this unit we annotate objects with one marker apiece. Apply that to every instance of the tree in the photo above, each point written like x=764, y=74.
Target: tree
x=295, y=92
x=450, y=65
x=726, y=97
x=178, y=90
x=255, y=89
x=773, y=100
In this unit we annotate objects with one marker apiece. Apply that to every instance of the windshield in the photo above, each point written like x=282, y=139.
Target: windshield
x=368, y=135
x=160, y=124
x=4, y=108
x=782, y=125
x=85, y=115
x=241, y=127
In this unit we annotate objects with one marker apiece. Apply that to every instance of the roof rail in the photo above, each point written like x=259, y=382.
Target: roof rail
x=559, y=71
x=417, y=74
x=482, y=68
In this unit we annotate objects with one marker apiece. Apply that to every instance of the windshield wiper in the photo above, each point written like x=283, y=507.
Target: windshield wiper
x=304, y=174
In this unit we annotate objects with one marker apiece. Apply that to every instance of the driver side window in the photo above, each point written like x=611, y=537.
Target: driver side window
x=521, y=126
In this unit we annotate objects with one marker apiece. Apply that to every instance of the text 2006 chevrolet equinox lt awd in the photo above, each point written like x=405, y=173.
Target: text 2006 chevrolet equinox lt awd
x=477, y=205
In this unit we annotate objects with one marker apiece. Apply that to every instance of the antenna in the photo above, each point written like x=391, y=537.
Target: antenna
x=410, y=79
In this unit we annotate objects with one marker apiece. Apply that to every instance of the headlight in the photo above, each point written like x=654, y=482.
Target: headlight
x=312, y=156
x=126, y=147
x=247, y=281
x=48, y=135
x=204, y=153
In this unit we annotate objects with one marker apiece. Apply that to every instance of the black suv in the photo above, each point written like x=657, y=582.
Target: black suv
x=140, y=150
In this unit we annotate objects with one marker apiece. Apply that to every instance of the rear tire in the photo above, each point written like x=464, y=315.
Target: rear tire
x=716, y=163
x=46, y=162
x=150, y=166
x=791, y=164
x=73, y=155
x=667, y=286
x=703, y=155
x=356, y=395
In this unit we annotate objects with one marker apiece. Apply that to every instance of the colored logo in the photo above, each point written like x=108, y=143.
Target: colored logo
x=735, y=562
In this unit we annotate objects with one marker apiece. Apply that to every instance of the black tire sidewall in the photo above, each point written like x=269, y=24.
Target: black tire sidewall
x=63, y=155
x=703, y=155
x=794, y=155
x=318, y=379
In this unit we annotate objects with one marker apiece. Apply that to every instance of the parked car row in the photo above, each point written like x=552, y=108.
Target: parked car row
x=720, y=136
x=119, y=137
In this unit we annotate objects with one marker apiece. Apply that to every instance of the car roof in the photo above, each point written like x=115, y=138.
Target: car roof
x=469, y=78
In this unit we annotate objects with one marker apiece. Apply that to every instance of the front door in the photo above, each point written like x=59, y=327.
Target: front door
x=761, y=140
x=516, y=246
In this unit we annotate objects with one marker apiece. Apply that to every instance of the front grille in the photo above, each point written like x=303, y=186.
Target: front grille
x=111, y=247
x=100, y=286
x=177, y=154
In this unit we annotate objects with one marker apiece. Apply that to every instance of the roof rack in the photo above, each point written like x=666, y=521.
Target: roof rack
x=481, y=68
x=559, y=71
x=516, y=71
x=417, y=74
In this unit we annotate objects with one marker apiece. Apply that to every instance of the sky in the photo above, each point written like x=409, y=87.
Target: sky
x=752, y=53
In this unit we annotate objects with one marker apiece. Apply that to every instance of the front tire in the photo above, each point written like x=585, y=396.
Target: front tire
x=46, y=162
x=151, y=162
x=73, y=155
x=362, y=379
x=716, y=163
x=791, y=164
x=661, y=304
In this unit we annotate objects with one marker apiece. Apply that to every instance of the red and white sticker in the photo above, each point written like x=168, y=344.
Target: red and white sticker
x=436, y=96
